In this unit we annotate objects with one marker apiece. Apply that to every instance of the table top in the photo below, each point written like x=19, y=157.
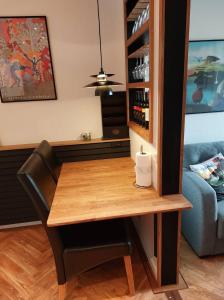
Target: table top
x=104, y=189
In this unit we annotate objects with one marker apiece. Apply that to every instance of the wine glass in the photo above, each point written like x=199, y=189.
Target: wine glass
x=143, y=66
x=134, y=72
x=134, y=27
x=144, y=16
x=147, y=12
x=146, y=70
x=139, y=70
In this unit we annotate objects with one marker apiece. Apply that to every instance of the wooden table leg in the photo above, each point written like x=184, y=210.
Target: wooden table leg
x=129, y=272
x=61, y=291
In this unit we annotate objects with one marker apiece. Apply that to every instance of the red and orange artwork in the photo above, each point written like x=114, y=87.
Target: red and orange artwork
x=26, y=72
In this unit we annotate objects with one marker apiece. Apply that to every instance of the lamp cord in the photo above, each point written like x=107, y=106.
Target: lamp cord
x=101, y=55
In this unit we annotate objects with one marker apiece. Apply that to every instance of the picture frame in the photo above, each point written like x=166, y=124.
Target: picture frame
x=26, y=68
x=205, y=80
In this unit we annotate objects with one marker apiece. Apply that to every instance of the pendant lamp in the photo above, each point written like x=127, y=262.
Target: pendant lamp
x=102, y=85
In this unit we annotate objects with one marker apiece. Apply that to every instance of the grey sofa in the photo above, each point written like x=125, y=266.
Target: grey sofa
x=203, y=225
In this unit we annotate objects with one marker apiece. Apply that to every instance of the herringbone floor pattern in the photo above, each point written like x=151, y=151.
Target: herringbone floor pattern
x=27, y=273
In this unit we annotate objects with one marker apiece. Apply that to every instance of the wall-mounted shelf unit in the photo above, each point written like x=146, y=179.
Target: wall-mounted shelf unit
x=137, y=9
x=139, y=22
x=138, y=33
x=144, y=50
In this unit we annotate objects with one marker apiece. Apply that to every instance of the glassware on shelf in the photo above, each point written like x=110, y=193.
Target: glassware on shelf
x=135, y=71
x=146, y=68
x=142, y=75
x=141, y=70
x=147, y=12
x=142, y=18
x=134, y=29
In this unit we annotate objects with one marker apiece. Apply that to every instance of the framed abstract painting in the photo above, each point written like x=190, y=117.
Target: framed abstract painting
x=26, y=70
x=205, y=82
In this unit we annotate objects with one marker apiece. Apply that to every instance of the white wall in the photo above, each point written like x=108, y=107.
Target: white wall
x=207, y=22
x=75, y=50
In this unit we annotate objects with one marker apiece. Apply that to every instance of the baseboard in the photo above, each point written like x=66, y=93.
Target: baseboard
x=20, y=225
x=149, y=272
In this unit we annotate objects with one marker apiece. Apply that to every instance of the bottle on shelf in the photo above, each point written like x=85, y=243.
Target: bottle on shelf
x=147, y=109
x=140, y=109
x=134, y=110
x=143, y=110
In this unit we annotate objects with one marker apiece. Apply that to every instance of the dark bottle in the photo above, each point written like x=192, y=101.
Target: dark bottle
x=134, y=117
x=143, y=109
x=147, y=110
x=138, y=107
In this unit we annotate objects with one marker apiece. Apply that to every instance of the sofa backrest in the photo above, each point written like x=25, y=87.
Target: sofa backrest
x=196, y=153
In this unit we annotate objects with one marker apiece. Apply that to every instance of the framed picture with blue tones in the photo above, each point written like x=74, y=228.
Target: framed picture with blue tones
x=205, y=80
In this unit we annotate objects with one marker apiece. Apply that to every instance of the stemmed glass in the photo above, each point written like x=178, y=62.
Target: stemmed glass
x=143, y=66
x=142, y=18
x=140, y=68
x=135, y=71
x=146, y=69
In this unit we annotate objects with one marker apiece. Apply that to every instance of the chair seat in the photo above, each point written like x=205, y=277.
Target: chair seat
x=95, y=234
x=220, y=231
x=93, y=244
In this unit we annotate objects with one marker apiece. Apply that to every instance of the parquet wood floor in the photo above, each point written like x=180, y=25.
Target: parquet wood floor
x=27, y=273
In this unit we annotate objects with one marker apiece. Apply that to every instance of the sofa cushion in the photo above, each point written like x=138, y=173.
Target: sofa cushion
x=212, y=170
x=196, y=153
x=220, y=228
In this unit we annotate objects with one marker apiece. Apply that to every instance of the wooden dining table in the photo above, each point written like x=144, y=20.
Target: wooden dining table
x=105, y=189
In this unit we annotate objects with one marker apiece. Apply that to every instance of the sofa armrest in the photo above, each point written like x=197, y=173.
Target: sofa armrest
x=201, y=195
x=199, y=225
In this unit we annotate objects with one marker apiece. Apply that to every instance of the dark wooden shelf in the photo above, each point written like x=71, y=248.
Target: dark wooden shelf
x=140, y=85
x=138, y=33
x=144, y=50
x=137, y=10
x=144, y=133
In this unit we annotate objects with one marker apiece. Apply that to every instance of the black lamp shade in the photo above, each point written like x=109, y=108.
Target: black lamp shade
x=102, y=84
x=103, y=91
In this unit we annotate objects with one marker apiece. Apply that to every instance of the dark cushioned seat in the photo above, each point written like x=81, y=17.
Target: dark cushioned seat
x=96, y=234
x=45, y=151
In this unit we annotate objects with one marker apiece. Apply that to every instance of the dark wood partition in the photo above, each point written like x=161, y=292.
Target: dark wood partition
x=174, y=54
x=15, y=206
x=173, y=57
